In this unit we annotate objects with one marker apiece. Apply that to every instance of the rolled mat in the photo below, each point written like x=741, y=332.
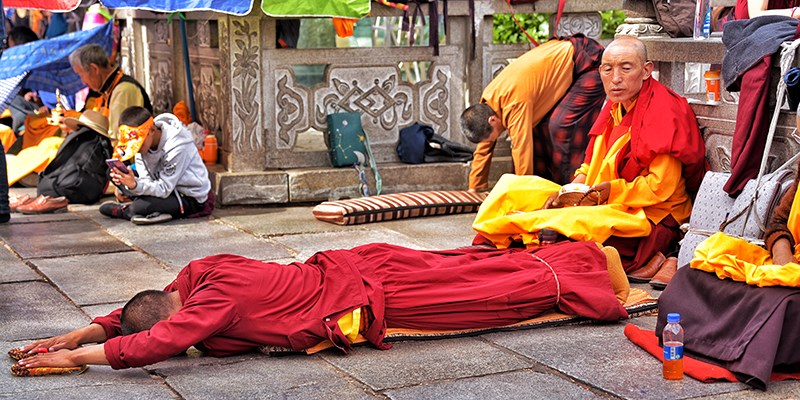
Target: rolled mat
x=702, y=371
x=792, y=79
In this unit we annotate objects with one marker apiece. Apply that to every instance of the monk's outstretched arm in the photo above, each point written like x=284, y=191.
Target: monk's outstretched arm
x=92, y=333
x=93, y=354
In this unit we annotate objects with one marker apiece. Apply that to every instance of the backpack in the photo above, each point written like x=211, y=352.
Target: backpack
x=79, y=171
x=419, y=144
x=676, y=16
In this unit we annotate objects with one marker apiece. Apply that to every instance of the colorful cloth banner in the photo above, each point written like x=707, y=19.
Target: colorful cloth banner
x=223, y=6
x=307, y=8
x=50, y=5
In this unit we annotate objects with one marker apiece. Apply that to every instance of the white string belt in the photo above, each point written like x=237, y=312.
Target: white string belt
x=558, y=284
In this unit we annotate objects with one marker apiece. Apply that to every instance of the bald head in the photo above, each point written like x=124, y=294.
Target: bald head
x=624, y=69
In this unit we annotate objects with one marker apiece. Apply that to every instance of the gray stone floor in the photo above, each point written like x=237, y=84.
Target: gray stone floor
x=57, y=271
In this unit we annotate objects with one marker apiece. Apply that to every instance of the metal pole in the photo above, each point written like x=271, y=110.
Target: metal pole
x=188, y=67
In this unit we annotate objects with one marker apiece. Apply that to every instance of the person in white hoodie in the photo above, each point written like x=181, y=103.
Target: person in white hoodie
x=170, y=179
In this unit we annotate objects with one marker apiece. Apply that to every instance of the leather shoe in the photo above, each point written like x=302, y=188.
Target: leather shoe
x=45, y=204
x=17, y=201
x=665, y=274
x=646, y=272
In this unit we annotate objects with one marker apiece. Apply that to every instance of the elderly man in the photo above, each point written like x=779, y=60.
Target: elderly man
x=111, y=90
x=548, y=133
x=226, y=304
x=644, y=161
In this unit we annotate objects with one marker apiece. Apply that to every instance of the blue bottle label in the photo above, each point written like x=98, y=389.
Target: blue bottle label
x=673, y=352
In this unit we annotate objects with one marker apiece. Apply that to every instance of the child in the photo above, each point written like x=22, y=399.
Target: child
x=172, y=180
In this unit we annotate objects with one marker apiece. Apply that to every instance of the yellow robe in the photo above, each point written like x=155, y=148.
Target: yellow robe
x=737, y=259
x=512, y=211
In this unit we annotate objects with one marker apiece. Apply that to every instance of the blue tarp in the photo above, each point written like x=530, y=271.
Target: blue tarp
x=46, y=63
x=223, y=6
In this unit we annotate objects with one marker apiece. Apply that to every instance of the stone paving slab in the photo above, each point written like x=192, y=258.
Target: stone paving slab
x=19, y=218
x=12, y=269
x=278, y=221
x=105, y=278
x=100, y=310
x=58, y=239
x=139, y=391
x=97, y=379
x=439, y=232
x=512, y=385
x=267, y=378
x=601, y=355
x=416, y=362
x=306, y=245
x=180, y=241
x=31, y=310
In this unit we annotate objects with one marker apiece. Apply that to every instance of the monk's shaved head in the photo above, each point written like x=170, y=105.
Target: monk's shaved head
x=629, y=42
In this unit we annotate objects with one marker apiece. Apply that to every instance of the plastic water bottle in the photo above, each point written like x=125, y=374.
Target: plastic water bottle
x=672, y=337
x=702, y=20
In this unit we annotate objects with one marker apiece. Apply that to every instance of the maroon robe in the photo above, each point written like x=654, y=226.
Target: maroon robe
x=232, y=304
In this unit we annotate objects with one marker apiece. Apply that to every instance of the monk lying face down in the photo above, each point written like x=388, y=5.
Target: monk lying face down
x=226, y=304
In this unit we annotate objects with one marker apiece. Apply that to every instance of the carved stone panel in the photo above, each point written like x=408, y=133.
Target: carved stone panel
x=292, y=112
x=590, y=24
x=207, y=95
x=434, y=100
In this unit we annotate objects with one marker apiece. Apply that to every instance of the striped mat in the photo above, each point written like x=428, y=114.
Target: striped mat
x=398, y=206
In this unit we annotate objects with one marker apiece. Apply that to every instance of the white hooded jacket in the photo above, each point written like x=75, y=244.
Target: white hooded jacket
x=175, y=166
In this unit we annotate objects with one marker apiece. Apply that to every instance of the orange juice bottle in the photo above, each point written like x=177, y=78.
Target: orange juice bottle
x=672, y=338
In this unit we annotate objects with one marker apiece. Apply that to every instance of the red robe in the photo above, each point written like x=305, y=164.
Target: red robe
x=233, y=304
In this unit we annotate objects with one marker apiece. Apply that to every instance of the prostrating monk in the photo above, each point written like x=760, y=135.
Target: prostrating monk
x=742, y=302
x=644, y=160
x=227, y=304
x=547, y=99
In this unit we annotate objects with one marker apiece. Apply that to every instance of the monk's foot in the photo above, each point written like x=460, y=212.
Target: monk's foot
x=619, y=281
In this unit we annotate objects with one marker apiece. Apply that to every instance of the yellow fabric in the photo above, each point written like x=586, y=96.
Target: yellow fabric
x=737, y=259
x=793, y=222
x=37, y=129
x=32, y=159
x=660, y=190
x=5, y=114
x=7, y=136
x=350, y=324
x=512, y=211
x=521, y=95
x=131, y=139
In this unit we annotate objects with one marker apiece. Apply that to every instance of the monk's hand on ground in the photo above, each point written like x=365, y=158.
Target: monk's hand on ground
x=61, y=358
x=552, y=202
x=67, y=341
x=600, y=193
x=120, y=178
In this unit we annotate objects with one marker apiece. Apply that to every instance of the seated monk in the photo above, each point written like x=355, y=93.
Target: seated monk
x=645, y=159
x=741, y=302
x=225, y=304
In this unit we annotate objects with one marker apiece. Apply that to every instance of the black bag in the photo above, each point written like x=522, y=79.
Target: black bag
x=79, y=171
x=676, y=16
x=419, y=144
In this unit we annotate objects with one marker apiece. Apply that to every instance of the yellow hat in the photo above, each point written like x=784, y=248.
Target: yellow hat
x=131, y=140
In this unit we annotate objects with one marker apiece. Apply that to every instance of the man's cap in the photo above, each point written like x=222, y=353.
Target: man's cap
x=91, y=119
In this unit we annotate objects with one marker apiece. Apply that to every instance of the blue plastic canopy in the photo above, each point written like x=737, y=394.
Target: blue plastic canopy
x=44, y=64
x=223, y=6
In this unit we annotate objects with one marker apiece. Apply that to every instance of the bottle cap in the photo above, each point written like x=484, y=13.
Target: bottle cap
x=673, y=317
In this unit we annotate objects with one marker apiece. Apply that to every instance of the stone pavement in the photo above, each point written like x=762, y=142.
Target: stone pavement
x=58, y=271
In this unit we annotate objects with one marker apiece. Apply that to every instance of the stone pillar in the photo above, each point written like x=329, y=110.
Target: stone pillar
x=241, y=63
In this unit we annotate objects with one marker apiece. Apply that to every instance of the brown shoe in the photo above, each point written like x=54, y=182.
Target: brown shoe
x=646, y=272
x=668, y=270
x=45, y=204
x=20, y=200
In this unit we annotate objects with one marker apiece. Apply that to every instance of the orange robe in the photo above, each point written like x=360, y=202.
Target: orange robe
x=522, y=94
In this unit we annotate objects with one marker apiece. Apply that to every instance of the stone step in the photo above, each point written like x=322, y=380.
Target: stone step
x=303, y=185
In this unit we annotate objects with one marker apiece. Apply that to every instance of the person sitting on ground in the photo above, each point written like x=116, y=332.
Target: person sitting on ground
x=548, y=134
x=740, y=300
x=226, y=304
x=172, y=180
x=644, y=161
